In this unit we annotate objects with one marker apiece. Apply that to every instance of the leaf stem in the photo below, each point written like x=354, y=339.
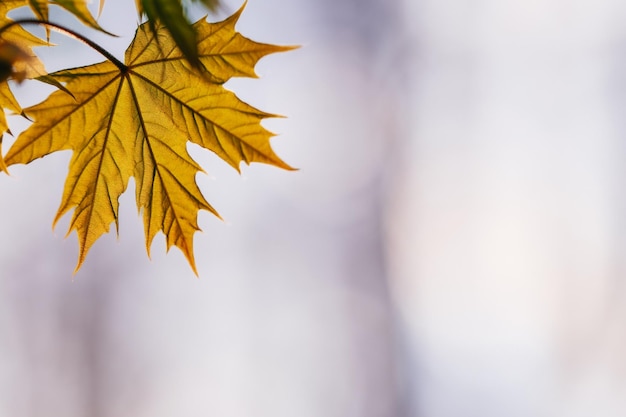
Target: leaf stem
x=68, y=32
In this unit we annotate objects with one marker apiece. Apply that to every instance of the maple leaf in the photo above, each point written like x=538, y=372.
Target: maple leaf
x=134, y=119
x=22, y=39
x=7, y=101
x=25, y=64
x=26, y=67
x=12, y=65
x=76, y=7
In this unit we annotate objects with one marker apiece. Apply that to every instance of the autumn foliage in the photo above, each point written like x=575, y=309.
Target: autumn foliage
x=135, y=119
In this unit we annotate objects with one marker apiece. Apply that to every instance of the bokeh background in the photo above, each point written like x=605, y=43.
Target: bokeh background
x=452, y=245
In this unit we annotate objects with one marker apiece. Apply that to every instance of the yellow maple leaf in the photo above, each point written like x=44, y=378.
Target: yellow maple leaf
x=19, y=39
x=134, y=119
x=7, y=101
x=17, y=35
x=76, y=7
x=26, y=64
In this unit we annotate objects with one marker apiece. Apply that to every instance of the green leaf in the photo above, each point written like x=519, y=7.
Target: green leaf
x=170, y=14
x=212, y=5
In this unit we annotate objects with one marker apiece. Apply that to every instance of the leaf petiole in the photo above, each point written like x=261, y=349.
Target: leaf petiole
x=68, y=32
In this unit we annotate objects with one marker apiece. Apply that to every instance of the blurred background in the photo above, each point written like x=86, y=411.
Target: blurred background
x=452, y=245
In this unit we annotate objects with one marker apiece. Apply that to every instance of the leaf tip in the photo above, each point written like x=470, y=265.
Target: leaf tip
x=287, y=48
x=192, y=261
x=3, y=165
x=81, y=259
x=76, y=269
x=216, y=214
x=287, y=167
